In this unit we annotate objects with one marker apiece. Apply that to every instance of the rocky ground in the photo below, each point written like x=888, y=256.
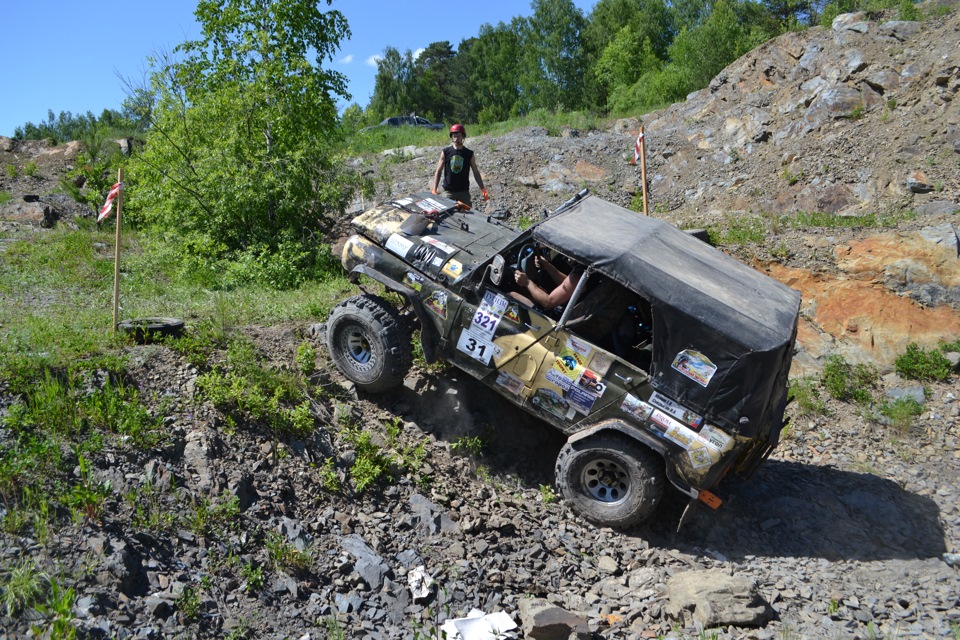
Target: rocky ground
x=851, y=530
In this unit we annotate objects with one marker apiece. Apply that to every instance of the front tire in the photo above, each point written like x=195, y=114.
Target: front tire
x=610, y=480
x=369, y=343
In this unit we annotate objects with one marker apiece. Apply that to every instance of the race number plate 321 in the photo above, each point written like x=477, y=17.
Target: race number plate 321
x=477, y=340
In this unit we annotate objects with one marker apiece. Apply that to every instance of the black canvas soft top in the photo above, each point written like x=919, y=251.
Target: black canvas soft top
x=702, y=300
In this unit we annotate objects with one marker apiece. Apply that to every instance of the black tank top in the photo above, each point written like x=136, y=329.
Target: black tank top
x=456, y=169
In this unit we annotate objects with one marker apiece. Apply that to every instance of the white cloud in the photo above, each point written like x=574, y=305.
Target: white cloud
x=373, y=60
x=416, y=54
x=346, y=59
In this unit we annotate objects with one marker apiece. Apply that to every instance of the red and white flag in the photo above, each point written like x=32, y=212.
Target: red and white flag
x=636, y=147
x=108, y=205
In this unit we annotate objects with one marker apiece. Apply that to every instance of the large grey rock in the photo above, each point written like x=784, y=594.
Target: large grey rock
x=542, y=620
x=369, y=565
x=714, y=598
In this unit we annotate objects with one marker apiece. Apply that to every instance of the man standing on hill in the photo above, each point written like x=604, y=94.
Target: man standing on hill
x=453, y=164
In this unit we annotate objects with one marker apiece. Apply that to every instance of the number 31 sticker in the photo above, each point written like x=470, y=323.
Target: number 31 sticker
x=477, y=340
x=475, y=346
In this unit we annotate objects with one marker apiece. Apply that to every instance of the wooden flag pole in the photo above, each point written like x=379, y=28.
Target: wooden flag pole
x=116, y=251
x=643, y=169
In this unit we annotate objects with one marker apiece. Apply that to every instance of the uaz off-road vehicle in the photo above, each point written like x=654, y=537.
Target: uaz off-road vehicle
x=669, y=362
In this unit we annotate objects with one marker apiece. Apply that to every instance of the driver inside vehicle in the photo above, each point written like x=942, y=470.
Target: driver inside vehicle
x=557, y=296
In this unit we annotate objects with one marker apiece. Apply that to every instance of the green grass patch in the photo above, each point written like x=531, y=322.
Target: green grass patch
x=901, y=413
x=245, y=388
x=826, y=220
x=739, y=230
x=5, y=197
x=805, y=392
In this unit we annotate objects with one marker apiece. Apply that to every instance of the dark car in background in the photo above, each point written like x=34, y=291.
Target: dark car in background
x=407, y=121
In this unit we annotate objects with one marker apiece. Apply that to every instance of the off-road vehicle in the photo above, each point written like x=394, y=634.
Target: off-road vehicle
x=669, y=361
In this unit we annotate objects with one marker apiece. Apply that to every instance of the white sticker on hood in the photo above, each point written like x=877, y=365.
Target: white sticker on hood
x=398, y=245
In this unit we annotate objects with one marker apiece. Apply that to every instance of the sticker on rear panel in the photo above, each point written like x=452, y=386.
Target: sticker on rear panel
x=580, y=399
x=601, y=363
x=678, y=411
x=591, y=382
x=398, y=245
x=674, y=430
x=550, y=401
x=510, y=382
x=695, y=366
x=700, y=457
x=714, y=438
x=636, y=407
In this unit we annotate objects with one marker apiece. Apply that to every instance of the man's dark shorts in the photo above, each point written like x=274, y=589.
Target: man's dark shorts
x=461, y=196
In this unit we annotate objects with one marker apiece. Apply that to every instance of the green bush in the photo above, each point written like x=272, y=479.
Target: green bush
x=907, y=10
x=5, y=197
x=920, y=364
x=847, y=382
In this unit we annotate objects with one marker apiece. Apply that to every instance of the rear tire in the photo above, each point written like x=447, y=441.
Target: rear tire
x=610, y=480
x=369, y=343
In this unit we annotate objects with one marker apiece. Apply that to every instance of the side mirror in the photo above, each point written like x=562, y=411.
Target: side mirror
x=496, y=269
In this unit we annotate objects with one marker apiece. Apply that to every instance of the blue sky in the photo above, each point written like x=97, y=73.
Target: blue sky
x=66, y=55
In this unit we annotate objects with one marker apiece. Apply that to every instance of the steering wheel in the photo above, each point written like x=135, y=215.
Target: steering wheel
x=523, y=256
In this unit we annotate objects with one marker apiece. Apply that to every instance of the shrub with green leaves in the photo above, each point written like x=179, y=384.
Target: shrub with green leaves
x=370, y=464
x=844, y=381
x=920, y=364
x=306, y=358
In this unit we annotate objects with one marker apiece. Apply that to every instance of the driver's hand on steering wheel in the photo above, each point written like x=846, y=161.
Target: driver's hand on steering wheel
x=521, y=278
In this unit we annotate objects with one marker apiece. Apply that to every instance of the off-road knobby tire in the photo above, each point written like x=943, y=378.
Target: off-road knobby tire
x=146, y=330
x=369, y=343
x=631, y=499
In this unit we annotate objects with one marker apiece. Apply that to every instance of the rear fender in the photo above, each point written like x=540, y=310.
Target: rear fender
x=647, y=440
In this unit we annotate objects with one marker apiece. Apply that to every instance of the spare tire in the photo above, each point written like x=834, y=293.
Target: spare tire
x=145, y=330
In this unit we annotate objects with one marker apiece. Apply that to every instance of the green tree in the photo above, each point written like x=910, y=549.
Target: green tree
x=613, y=53
x=240, y=161
x=494, y=66
x=434, y=82
x=393, y=85
x=552, y=76
x=464, y=104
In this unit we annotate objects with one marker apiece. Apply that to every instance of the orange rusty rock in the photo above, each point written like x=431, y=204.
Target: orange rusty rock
x=864, y=314
x=589, y=171
x=895, y=254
